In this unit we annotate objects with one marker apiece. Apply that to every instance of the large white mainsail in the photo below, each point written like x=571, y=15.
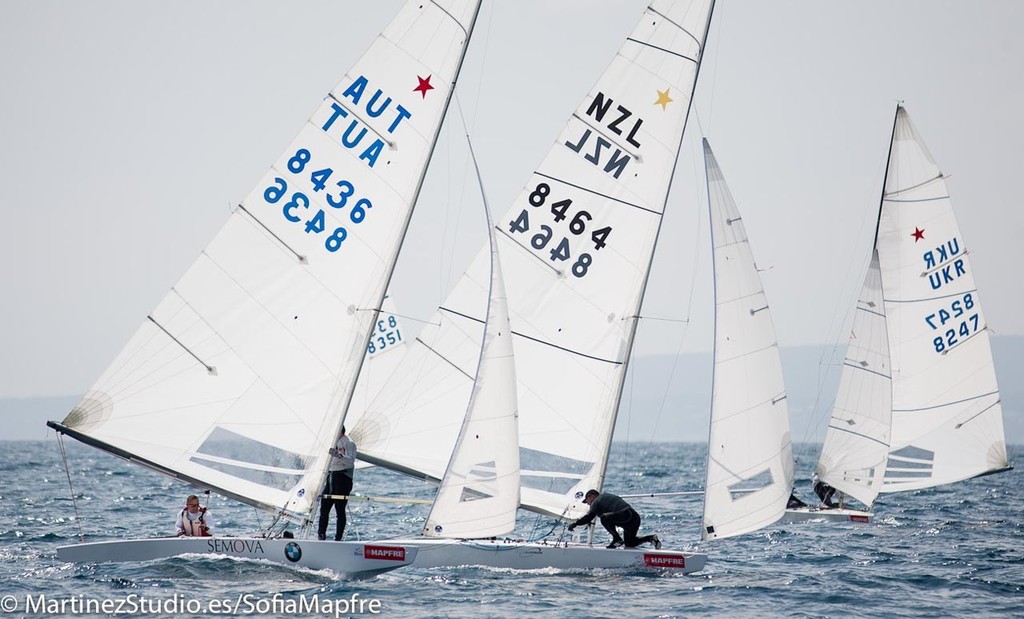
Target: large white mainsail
x=946, y=418
x=576, y=248
x=750, y=455
x=239, y=379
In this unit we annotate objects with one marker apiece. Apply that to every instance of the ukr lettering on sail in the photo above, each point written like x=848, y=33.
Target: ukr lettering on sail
x=597, y=149
x=942, y=265
x=351, y=134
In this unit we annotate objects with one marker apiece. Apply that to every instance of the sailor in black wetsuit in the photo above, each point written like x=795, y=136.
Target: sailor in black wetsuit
x=614, y=512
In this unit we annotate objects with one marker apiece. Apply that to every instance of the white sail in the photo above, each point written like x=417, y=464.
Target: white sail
x=576, y=248
x=240, y=378
x=479, y=494
x=750, y=455
x=946, y=416
x=857, y=441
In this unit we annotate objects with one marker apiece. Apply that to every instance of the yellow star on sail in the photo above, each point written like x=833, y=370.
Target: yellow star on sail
x=663, y=99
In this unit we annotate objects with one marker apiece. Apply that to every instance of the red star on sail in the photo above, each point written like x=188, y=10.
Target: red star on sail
x=918, y=234
x=424, y=85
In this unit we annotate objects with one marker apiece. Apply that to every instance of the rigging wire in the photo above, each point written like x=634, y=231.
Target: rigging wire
x=67, y=471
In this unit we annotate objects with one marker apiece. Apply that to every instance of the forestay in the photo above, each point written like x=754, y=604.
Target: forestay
x=946, y=416
x=239, y=379
x=576, y=247
x=750, y=455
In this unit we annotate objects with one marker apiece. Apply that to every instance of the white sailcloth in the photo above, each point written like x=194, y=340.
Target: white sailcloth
x=750, y=455
x=479, y=494
x=576, y=247
x=947, y=420
x=918, y=404
x=239, y=379
x=856, y=443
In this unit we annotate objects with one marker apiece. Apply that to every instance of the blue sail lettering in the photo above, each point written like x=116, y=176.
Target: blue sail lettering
x=616, y=162
x=402, y=115
x=346, y=140
x=356, y=89
x=945, y=252
x=370, y=154
x=369, y=106
x=339, y=112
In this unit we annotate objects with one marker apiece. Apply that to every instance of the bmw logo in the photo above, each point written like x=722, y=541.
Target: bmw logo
x=293, y=552
x=579, y=495
x=438, y=528
x=301, y=492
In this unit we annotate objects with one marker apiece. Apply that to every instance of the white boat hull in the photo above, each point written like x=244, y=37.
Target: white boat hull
x=530, y=556
x=824, y=514
x=349, y=558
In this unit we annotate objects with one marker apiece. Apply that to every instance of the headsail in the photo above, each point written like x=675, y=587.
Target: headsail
x=750, y=455
x=576, y=249
x=947, y=422
x=239, y=379
x=479, y=494
x=857, y=441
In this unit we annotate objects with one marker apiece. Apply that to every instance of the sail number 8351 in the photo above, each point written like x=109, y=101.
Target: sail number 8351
x=560, y=212
x=299, y=202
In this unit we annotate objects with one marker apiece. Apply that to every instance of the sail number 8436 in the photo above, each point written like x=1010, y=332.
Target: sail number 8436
x=300, y=202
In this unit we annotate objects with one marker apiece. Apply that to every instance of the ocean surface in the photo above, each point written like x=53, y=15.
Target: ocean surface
x=947, y=552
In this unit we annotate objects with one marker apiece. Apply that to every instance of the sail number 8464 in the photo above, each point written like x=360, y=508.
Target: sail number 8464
x=560, y=212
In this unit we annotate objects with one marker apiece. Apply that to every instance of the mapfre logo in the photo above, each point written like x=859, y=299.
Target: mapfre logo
x=664, y=561
x=386, y=553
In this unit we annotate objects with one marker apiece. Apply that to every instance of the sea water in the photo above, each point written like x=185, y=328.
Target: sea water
x=951, y=551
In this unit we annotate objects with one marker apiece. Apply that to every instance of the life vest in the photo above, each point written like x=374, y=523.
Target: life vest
x=194, y=528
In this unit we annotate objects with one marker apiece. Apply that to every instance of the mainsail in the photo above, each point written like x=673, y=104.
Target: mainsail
x=239, y=380
x=750, y=455
x=576, y=249
x=940, y=385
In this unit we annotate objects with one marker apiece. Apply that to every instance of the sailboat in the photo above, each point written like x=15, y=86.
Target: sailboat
x=577, y=246
x=239, y=380
x=918, y=405
x=750, y=451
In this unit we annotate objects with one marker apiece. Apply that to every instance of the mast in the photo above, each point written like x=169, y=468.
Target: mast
x=635, y=320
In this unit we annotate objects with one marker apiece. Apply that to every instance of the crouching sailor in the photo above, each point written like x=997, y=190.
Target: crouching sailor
x=194, y=521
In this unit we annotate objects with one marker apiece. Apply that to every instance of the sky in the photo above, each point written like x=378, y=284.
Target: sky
x=128, y=129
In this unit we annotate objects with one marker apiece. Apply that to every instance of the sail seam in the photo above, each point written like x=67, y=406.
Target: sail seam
x=596, y=193
x=912, y=187
x=864, y=369
x=533, y=339
x=915, y=410
x=945, y=296
x=847, y=431
x=662, y=49
x=917, y=200
x=651, y=9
